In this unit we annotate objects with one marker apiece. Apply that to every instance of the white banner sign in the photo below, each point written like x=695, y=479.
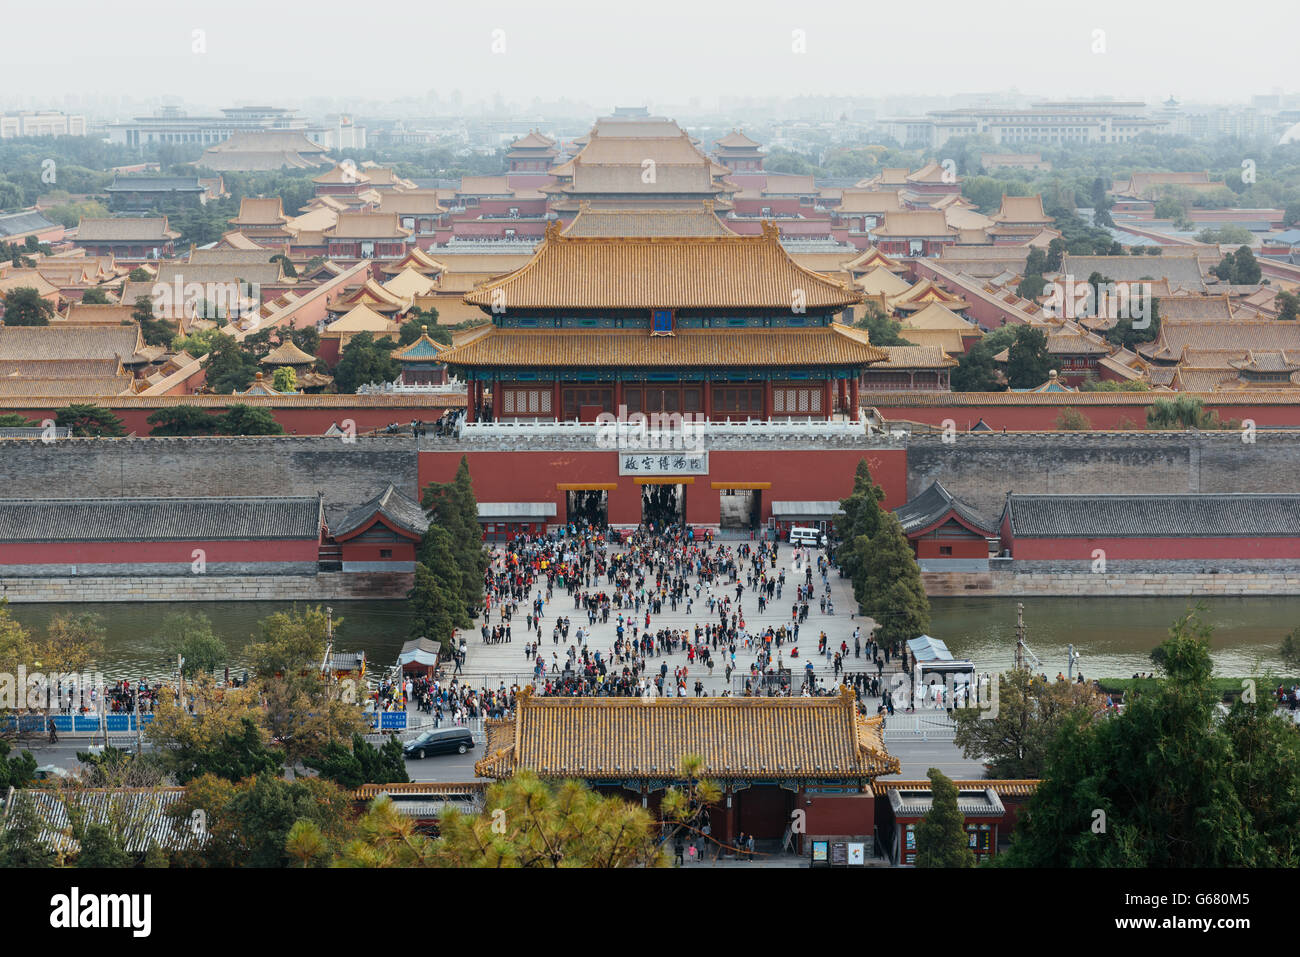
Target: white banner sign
x=663, y=463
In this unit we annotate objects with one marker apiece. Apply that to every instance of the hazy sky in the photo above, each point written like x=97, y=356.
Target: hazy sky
x=646, y=51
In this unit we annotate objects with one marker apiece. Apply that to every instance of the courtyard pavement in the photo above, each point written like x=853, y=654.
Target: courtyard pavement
x=489, y=665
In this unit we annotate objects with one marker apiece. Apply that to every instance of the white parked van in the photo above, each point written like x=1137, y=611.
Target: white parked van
x=802, y=535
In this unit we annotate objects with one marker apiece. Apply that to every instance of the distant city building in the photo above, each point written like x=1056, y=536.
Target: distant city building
x=173, y=125
x=40, y=123
x=339, y=132
x=1069, y=122
x=1231, y=122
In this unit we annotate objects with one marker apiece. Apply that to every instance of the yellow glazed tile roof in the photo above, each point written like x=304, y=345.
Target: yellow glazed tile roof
x=604, y=348
x=663, y=272
x=737, y=737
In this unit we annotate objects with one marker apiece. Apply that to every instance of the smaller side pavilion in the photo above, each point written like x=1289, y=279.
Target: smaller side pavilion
x=419, y=361
x=989, y=809
x=771, y=756
x=381, y=535
x=945, y=532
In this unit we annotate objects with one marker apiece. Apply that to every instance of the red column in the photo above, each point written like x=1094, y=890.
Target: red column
x=618, y=394
x=496, y=391
x=470, y=388
x=854, y=406
x=556, y=405
x=767, y=398
x=708, y=399
x=827, y=401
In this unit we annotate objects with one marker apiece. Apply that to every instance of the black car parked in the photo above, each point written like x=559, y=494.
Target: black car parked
x=439, y=741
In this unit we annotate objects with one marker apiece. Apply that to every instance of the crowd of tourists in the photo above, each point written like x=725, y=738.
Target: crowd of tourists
x=555, y=589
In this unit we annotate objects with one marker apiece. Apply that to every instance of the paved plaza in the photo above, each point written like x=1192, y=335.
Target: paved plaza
x=489, y=665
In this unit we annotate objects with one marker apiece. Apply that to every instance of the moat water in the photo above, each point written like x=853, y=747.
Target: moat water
x=1112, y=636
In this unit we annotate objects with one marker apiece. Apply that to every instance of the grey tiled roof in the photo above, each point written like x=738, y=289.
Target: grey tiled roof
x=158, y=519
x=985, y=803
x=125, y=229
x=1157, y=516
x=1183, y=272
x=24, y=222
x=932, y=504
x=152, y=184
x=399, y=509
x=141, y=812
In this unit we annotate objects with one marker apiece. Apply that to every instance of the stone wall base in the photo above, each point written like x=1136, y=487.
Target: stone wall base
x=1005, y=583
x=326, y=586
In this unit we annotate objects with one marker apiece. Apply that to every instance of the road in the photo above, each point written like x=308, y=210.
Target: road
x=917, y=757
x=445, y=767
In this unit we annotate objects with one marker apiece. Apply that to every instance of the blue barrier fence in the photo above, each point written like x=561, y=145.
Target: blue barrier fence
x=119, y=723
x=389, y=721
x=69, y=723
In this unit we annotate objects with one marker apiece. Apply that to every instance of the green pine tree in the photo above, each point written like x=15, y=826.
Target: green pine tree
x=453, y=507
x=20, y=839
x=1028, y=362
x=893, y=594
x=941, y=835
x=861, y=520
x=436, y=604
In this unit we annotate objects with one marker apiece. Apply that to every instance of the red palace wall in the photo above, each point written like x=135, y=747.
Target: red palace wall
x=329, y=351
x=785, y=205
x=1163, y=549
x=111, y=553
x=362, y=552
x=1042, y=418
x=928, y=547
x=839, y=814
x=496, y=228
x=816, y=475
